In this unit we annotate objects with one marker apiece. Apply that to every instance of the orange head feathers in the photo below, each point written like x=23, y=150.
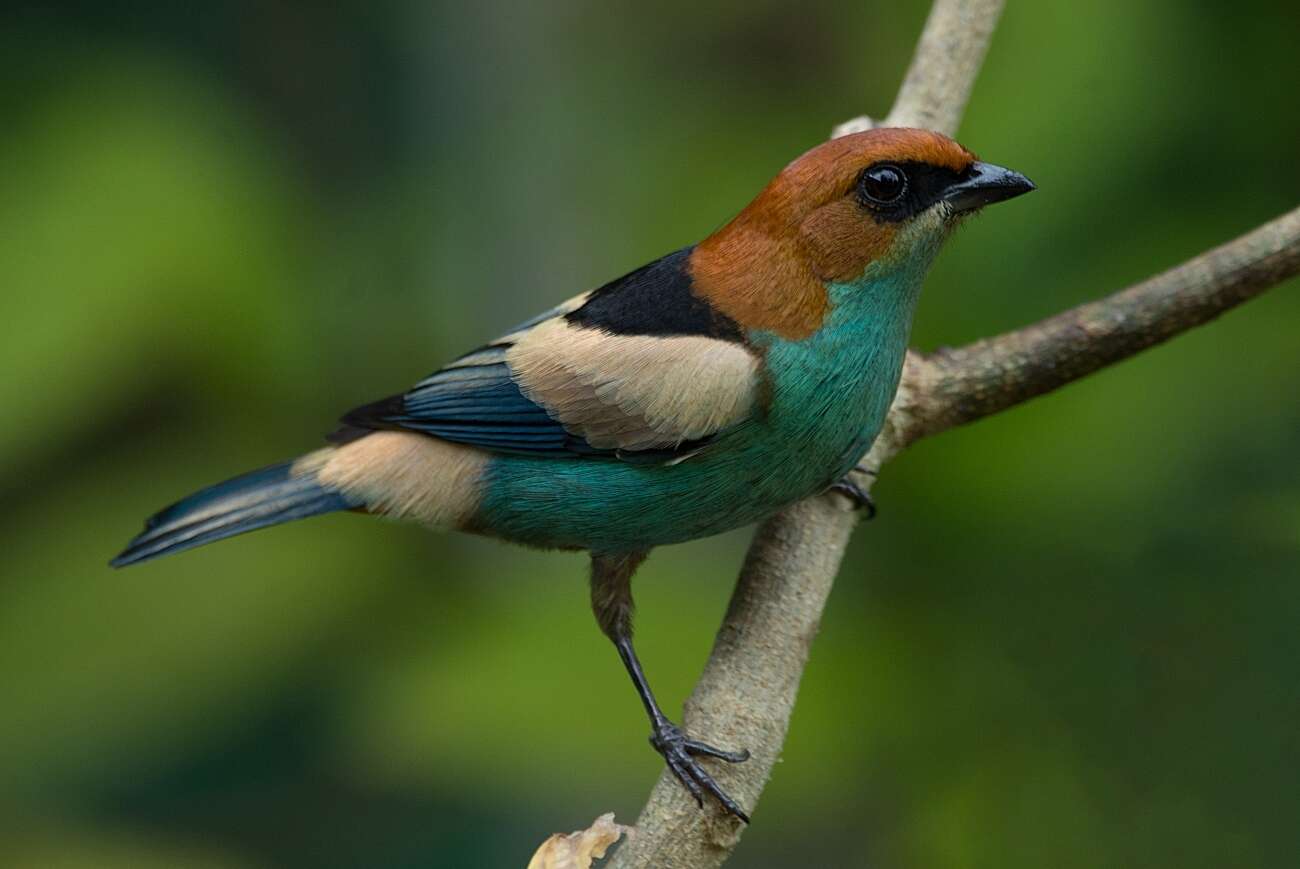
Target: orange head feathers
x=831, y=213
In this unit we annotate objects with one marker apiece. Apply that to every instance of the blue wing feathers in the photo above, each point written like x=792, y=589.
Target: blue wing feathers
x=474, y=401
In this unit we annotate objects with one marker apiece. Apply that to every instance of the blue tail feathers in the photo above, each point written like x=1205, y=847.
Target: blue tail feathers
x=255, y=500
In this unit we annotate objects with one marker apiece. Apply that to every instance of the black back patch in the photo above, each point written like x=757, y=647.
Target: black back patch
x=656, y=299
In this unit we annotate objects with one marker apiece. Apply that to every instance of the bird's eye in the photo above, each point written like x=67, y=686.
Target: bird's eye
x=883, y=184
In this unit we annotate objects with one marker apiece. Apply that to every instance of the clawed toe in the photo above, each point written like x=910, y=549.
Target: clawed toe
x=680, y=753
x=860, y=497
x=705, y=750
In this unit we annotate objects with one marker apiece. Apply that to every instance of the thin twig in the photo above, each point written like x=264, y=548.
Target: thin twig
x=947, y=60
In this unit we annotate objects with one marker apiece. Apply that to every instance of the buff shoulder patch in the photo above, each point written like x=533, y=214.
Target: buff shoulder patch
x=635, y=391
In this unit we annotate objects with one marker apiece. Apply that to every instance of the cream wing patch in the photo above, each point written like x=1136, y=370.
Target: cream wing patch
x=403, y=475
x=634, y=392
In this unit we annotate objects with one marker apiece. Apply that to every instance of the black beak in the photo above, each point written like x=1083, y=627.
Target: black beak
x=984, y=184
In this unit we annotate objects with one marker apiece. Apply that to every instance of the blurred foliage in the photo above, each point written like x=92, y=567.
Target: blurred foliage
x=1069, y=640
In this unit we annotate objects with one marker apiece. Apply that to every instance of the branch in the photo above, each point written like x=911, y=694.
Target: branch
x=952, y=387
x=746, y=693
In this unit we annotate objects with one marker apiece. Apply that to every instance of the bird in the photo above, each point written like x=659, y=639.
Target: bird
x=702, y=392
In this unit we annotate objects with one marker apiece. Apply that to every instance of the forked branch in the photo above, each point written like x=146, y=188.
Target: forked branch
x=747, y=690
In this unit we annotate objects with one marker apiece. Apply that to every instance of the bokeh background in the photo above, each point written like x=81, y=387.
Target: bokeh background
x=1070, y=638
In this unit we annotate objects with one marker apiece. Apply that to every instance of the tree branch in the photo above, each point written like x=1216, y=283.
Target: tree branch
x=965, y=384
x=747, y=690
x=746, y=694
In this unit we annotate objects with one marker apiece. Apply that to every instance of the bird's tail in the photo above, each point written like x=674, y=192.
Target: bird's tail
x=255, y=500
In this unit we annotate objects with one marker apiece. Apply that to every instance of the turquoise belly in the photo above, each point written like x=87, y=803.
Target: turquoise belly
x=613, y=506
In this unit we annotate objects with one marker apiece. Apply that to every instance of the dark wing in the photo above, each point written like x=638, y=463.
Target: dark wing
x=626, y=371
x=474, y=401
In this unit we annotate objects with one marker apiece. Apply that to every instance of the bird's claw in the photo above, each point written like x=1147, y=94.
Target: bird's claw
x=860, y=497
x=679, y=753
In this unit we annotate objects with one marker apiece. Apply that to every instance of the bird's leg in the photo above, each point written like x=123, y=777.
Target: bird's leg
x=860, y=497
x=611, y=600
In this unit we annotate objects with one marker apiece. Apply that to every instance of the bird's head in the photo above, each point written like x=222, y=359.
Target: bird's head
x=860, y=205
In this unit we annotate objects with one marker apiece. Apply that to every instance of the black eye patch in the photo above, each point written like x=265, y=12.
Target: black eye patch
x=922, y=185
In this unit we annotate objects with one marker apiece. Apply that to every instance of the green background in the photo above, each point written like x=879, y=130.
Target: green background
x=1070, y=638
